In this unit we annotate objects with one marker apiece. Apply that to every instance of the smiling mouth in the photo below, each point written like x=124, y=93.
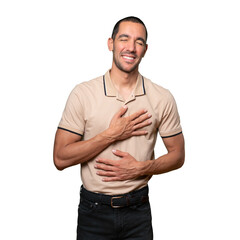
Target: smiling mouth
x=128, y=58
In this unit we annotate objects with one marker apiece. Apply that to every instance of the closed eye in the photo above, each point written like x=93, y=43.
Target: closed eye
x=123, y=37
x=140, y=43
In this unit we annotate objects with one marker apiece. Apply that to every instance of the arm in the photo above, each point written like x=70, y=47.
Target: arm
x=69, y=150
x=173, y=160
x=128, y=167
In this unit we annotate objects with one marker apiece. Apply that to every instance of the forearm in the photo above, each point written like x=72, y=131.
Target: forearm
x=127, y=167
x=166, y=163
x=69, y=150
x=82, y=151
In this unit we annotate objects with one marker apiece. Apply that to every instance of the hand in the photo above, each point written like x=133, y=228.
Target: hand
x=118, y=170
x=121, y=128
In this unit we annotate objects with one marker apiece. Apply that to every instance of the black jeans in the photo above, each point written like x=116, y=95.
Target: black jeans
x=98, y=220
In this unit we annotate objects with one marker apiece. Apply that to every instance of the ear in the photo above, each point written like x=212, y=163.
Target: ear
x=146, y=48
x=110, y=44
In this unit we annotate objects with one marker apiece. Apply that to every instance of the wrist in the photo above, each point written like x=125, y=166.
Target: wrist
x=143, y=167
x=108, y=136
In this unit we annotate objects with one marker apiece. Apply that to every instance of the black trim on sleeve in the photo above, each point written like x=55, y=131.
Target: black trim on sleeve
x=70, y=131
x=104, y=86
x=143, y=86
x=172, y=135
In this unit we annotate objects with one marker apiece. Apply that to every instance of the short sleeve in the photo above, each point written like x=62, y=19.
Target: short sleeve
x=73, y=115
x=170, y=120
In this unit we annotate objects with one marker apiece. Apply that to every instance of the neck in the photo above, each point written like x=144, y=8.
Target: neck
x=123, y=80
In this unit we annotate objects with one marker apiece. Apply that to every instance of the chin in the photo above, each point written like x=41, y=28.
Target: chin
x=128, y=69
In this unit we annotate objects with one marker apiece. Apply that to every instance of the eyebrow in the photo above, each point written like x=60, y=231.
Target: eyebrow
x=142, y=40
x=127, y=36
x=123, y=35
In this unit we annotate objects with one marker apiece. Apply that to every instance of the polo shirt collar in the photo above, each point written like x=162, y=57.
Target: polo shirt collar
x=111, y=91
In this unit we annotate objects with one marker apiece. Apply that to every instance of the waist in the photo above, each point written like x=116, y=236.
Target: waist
x=117, y=201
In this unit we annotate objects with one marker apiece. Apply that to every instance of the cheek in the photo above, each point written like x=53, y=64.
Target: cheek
x=119, y=47
x=141, y=52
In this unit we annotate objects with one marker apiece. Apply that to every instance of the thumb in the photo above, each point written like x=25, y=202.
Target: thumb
x=119, y=153
x=121, y=111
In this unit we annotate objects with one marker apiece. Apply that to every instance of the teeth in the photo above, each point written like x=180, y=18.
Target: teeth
x=130, y=58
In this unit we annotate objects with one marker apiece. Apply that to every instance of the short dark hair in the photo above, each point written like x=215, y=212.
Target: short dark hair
x=127, y=19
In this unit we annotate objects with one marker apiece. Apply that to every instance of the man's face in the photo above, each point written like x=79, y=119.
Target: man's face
x=129, y=46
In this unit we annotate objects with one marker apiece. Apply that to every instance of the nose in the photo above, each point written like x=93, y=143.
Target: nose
x=131, y=47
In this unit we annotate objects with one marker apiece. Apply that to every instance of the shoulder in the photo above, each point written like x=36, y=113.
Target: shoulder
x=89, y=93
x=89, y=89
x=91, y=85
x=157, y=91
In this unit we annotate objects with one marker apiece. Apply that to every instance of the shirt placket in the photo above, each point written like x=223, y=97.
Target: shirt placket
x=130, y=98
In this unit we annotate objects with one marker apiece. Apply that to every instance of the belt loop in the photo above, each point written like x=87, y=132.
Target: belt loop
x=127, y=199
x=144, y=199
x=100, y=198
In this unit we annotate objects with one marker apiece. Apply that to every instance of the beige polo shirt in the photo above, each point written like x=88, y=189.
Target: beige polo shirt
x=89, y=110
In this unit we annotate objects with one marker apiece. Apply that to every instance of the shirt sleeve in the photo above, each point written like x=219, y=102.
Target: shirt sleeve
x=73, y=115
x=169, y=120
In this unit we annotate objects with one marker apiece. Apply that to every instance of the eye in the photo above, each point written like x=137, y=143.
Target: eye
x=140, y=43
x=123, y=39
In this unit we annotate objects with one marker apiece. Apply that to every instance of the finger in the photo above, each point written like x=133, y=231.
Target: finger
x=111, y=179
x=143, y=124
x=106, y=174
x=119, y=153
x=104, y=167
x=106, y=161
x=142, y=118
x=137, y=114
x=121, y=111
x=139, y=133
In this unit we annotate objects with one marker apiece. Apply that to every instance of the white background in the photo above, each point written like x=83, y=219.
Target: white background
x=48, y=46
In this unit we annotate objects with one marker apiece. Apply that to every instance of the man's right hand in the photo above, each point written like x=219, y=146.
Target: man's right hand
x=121, y=128
x=69, y=150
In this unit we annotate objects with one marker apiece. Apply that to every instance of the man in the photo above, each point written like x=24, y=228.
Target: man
x=109, y=126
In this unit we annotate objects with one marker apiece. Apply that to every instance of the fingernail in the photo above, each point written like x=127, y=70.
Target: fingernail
x=125, y=106
x=149, y=115
x=114, y=150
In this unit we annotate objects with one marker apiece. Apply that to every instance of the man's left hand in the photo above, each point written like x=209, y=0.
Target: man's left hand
x=118, y=170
